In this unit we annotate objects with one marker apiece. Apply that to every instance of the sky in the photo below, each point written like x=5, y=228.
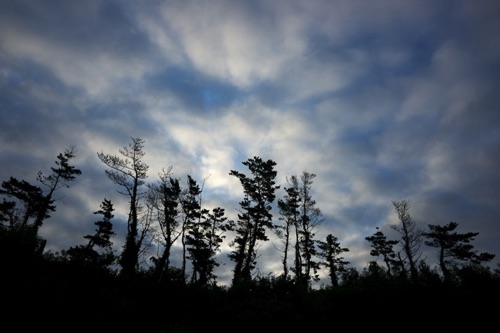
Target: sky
x=382, y=100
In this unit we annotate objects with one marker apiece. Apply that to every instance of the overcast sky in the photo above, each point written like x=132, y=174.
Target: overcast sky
x=382, y=100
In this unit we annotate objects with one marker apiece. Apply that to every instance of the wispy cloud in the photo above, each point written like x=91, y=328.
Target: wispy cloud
x=382, y=100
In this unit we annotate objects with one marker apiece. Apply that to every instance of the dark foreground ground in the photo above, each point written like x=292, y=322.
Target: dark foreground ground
x=51, y=299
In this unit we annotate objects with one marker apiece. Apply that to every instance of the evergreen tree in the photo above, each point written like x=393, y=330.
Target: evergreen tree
x=104, y=230
x=130, y=173
x=163, y=200
x=289, y=214
x=103, y=256
x=191, y=207
x=331, y=251
x=29, y=200
x=454, y=247
x=300, y=217
x=383, y=247
x=23, y=216
x=310, y=217
x=60, y=177
x=411, y=236
x=255, y=215
x=204, y=239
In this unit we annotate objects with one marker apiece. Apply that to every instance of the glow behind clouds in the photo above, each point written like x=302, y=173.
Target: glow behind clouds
x=383, y=100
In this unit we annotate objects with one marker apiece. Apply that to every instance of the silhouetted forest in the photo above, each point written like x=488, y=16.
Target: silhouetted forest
x=93, y=288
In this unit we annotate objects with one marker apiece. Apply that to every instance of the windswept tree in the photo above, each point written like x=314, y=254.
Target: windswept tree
x=381, y=246
x=300, y=217
x=191, y=208
x=202, y=233
x=255, y=215
x=331, y=252
x=454, y=248
x=98, y=252
x=129, y=172
x=310, y=217
x=19, y=237
x=289, y=214
x=104, y=231
x=203, y=240
x=163, y=202
x=61, y=176
x=24, y=210
x=30, y=205
x=8, y=213
x=411, y=236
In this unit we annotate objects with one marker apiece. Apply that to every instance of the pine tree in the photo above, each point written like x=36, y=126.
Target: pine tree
x=29, y=206
x=289, y=214
x=331, y=251
x=310, y=217
x=163, y=201
x=98, y=251
x=383, y=247
x=411, y=236
x=130, y=173
x=255, y=215
x=454, y=247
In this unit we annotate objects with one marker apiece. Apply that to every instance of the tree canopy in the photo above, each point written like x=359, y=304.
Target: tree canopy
x=166, y=213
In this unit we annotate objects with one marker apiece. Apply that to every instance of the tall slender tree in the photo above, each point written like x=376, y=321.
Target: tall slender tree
x=255, y=215
x=191, y=208
x=411, y=236
x=163, y=201
x=310, y=217
x=129, y=172
x=289, y=214
x=300, y=217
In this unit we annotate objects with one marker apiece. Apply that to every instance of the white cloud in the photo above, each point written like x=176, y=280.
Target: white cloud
x=379, y=99
x=222, y=40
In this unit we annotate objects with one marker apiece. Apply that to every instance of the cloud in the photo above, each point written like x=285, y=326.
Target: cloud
x=88, y=46
x=381, y=100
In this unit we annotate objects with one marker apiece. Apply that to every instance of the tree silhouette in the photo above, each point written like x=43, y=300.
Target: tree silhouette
x=104, y=230
x=309, y=219
x=454, y=247
x=203, y=240
x=76, y=280
x=289, y=214
x=59, y=178
x=87, y=254
x=130, y=173
x=163, y=203
x=330, y=251
x=383, y=247
x=31, y=206
x=30, y=198
x=191, y=207
x=255, y=215
x=411, y=236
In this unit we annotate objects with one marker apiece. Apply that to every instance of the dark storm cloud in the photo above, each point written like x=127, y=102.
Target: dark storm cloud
x=90, y=26
x=30, y=100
